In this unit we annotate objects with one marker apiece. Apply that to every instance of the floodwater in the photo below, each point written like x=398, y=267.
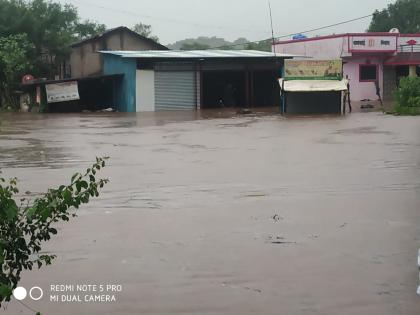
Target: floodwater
x=217, y=214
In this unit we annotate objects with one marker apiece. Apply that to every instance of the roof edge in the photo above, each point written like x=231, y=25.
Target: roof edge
x=117, y=29
x=195, y=54
x=345, y=35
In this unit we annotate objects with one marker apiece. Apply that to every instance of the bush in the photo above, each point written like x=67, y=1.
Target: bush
x=408, y=94
x=25, y=225
x=405, y=110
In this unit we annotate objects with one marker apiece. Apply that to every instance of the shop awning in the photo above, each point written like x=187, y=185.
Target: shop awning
x=313, y=85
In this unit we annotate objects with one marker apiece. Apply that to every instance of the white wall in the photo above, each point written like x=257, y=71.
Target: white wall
x=145, y=91
x=328, y=48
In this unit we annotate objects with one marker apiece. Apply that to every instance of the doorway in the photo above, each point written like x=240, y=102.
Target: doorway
x=223, y=89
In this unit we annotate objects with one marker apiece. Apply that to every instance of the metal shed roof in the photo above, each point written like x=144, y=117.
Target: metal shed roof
x=196, y=54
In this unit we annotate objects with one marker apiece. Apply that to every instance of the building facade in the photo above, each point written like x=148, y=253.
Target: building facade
x=191, y=80
x=370, y=60
x=85, y=59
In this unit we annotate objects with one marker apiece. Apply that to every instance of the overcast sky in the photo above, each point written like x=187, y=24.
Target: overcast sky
x=174, y=20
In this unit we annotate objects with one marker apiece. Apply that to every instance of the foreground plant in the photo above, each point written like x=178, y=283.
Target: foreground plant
x=25, y=228
x=407, y=97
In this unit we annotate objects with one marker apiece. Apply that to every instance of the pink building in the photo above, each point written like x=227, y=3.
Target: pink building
x=367, y=58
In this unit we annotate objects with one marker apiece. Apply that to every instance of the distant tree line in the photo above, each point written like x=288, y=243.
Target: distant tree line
x=262, y=45
x=203, y=43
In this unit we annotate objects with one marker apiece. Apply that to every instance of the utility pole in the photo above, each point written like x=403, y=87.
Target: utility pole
x=272, y=28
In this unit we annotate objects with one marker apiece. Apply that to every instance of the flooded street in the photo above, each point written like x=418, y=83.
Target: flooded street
x=208, y=214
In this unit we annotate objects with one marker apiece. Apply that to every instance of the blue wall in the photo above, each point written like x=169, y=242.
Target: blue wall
x=126, y=92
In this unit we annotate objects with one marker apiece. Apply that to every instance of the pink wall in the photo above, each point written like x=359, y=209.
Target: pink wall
x=337, y=47
x=376, y=48
x=362, y=90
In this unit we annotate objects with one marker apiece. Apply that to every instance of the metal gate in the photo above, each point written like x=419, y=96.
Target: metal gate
x=175, y=90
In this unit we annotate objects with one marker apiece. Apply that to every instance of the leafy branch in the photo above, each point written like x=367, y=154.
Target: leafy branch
x=24, y=228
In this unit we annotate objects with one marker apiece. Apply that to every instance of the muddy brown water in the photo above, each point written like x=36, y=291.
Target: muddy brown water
x=212, y=214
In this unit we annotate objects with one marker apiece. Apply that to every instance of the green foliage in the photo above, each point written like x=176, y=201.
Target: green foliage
x=49, y=26
x=403, y=14
x=408, y=93
x=15, y=52
x=146, y=31
x=36, y=33
x=25, y=227
x=88, y=29
x=407, y=96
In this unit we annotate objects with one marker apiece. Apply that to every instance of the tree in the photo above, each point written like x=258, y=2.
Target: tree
x=49, y=27
x=146, y=31
x=194, y=46
x=15, y=52
x=25, y=227
x=403, y=14
x=88, y=29
x=264, y=45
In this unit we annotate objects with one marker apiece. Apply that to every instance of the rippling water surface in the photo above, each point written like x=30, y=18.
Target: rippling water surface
x=213, y=213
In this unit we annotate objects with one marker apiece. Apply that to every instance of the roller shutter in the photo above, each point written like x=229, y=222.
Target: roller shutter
x=175, y=90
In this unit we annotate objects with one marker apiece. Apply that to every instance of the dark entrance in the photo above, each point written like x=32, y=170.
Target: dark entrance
x=96, y=94
x=401, y=72
x=265, y=89
x=252, y=88
x=223, y=89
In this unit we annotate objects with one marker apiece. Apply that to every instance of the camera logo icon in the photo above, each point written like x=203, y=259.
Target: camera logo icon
x=35, y=293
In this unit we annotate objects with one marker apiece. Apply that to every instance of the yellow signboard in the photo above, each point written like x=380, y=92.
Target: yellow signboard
x=313, y=69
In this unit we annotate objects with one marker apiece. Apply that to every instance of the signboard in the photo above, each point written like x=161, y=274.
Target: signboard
x=313, y=69
x=372, y=43
x=62, y=92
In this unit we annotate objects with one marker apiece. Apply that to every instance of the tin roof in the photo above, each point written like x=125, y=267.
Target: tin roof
x=196, y=54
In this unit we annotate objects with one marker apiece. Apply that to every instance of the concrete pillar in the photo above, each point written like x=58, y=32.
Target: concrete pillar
x=413, y=71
